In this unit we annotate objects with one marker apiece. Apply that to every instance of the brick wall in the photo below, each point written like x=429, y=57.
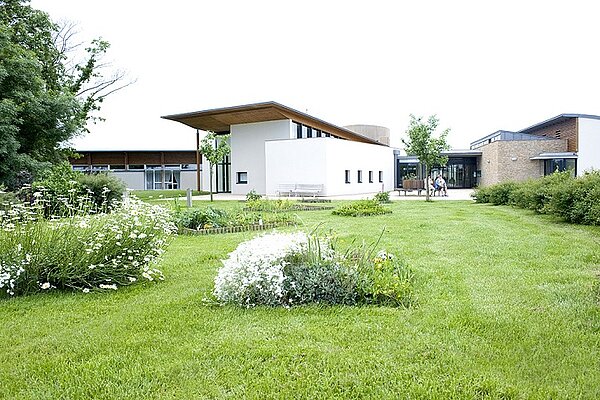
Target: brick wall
x=510, y=160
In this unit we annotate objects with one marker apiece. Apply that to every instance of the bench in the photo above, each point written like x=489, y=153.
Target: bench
x=285, y=189
x=408, y=185
x=308, y=189
x=298, y=189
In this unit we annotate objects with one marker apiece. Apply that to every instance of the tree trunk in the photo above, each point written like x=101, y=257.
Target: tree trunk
x=427, y=172
x=211, y=183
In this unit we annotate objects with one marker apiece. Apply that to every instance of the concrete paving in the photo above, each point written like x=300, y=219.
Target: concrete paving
x=453, y=194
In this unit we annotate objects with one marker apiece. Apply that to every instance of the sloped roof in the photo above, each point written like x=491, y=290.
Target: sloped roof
x=220, y=119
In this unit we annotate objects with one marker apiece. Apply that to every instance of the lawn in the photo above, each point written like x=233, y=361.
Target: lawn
x=508, y=307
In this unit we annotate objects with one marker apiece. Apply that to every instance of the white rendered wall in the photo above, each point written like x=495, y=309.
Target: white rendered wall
x=248, y=152
x=324, y=161
x=133, y=180
x=588, y=156
x=188, y=180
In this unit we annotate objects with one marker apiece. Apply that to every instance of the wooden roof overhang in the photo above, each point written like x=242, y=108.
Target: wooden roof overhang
x=219, y=120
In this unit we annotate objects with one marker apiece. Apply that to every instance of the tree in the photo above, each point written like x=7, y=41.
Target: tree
x=46, y=97
x=422, y=143
x=214, y=150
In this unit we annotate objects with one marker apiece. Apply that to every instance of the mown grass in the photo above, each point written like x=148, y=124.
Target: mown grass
x=507, y=308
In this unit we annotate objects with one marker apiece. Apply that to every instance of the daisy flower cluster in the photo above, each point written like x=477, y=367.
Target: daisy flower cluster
x=82, y=251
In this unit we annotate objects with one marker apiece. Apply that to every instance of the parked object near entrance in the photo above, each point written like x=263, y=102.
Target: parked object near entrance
x=409, y=185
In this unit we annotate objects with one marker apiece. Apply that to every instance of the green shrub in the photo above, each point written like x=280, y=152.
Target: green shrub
x=382, y=197
x=362, y=208
x=575, y=199
x=102, y=187
x=253, y=196
x=202, y=218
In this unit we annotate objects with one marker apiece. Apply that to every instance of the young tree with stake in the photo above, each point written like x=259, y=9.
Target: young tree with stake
x=214, y=150
x=422, y=143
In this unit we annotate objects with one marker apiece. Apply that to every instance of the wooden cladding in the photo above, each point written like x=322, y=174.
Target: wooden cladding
x=562, y=130
x=135, y=158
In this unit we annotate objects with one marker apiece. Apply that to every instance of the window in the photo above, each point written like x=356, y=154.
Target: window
x=319, y=133
x=117, y=167
x=81, y=168
x=359, y=176
x=347, y=172
x=309, y=132
x=135, y=167
x=298, y=130
x=327, y=134
x=242, y=178
x=380, y=176
x=370, y=176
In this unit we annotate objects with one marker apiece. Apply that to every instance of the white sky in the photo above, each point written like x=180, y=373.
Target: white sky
x=480, y=66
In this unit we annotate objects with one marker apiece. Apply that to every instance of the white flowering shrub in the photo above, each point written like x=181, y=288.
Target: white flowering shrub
x=253, y=273
x=294, y=268
x=82, y=251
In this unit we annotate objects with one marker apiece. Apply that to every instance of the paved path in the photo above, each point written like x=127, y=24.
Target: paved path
x=453, y=194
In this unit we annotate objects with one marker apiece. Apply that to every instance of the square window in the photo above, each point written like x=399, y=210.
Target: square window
x=359, y=176
x=242, y=178
x=347, y=173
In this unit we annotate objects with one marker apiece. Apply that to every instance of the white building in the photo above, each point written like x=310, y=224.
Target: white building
x=275, y=147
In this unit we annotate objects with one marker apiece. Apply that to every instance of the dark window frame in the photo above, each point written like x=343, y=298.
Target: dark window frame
x=238, y=178
x=370, y=176
x=380, y=176
x=359, y=176
x=347, y=175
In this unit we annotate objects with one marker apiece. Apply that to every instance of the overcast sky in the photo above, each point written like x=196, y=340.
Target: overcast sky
x=480, y=66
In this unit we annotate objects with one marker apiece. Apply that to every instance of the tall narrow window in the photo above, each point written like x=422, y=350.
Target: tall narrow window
x=347, y=173
x=309, y=132
x=370, y=176
x=359, y=176
x=319, y=134
x=298, y=131
x=380, y=176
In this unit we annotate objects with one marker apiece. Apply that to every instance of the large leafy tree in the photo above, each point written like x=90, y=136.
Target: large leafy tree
x=422, y=142
x=45, y=97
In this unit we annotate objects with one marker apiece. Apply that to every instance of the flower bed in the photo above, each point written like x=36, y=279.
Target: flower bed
x=362, y=208
x=212, y=220
x=289, y=269
x=281, y=206
x=82, y=251
x=234, y=229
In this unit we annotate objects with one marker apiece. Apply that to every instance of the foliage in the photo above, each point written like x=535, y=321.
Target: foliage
x=422, y=143
x=361, y=208
x=214, y=150
x=82, y=251
x=575, y=199
x=382, y=197
x=279, y=205
x=252, y=196
x=65, y=190
x=46, y=98
x=162, y=194
x=293, y=269
x=209, y=217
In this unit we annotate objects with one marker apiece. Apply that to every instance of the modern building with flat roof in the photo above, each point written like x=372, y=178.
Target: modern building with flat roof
x=276, y=149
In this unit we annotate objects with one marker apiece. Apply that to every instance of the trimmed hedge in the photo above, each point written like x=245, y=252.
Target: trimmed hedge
x=576, y=200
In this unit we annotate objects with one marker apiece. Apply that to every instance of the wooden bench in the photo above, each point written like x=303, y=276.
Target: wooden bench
x=409, y=185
